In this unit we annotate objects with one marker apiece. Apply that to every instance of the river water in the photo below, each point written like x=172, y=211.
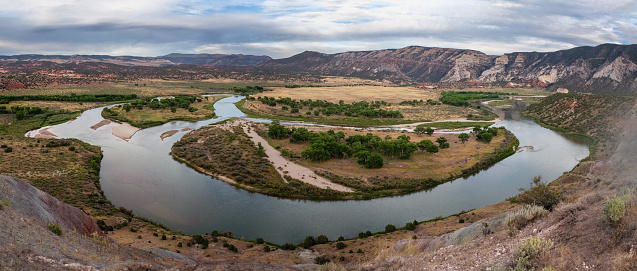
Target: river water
x=142, y=176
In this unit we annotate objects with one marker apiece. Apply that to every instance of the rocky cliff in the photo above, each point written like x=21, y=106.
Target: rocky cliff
x=410, y=64
x=607, y=68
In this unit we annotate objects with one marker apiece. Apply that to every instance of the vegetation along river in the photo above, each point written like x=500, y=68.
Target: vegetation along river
x=141, y=175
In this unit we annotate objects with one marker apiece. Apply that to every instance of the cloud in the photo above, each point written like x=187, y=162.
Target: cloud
x=281, y=28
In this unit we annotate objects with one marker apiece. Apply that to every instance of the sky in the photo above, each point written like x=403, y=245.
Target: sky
x=282, y=28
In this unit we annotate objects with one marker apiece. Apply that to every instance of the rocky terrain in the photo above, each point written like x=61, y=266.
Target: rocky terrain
x=607, y=68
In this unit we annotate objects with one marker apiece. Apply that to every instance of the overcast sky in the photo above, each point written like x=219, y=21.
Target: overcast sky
x=282, y=28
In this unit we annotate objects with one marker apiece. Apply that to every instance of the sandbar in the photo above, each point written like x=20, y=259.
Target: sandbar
x=100, y=124
x=125, y=131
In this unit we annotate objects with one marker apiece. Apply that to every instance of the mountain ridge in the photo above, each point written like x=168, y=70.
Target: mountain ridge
x=605, y=68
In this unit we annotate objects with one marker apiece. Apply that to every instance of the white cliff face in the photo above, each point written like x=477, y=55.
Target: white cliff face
x=617, y=70
x=464, y=68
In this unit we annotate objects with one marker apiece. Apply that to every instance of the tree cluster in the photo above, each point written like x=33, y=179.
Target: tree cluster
x=367, y=149
x=70, y=98
x=318, y=107
x=461, y=98
x=485, y=134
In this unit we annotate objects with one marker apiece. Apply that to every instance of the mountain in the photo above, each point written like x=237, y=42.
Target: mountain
x=410, y=64
x=171, y=59
x=604, y=68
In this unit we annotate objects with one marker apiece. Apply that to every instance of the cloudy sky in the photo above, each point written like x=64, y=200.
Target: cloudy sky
x=281, y=28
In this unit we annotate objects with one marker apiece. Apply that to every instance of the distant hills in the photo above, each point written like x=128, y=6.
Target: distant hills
x=607, y=68
x=171, y=59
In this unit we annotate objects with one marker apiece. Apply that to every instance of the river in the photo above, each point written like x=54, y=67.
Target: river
x=142, y=176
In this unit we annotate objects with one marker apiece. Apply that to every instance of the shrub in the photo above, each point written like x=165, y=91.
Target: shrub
x=155, y=234
x=322, y=239
x=340, y=245
x=179, y=244
x=341, y=238
x=410, y=226
x=288, y=246
x=519, y=218
x=614, y=209
x=55, y=228
x=362, y=235
x=359, y=251
x=72, y=148
x=163, y=237
x=8, y=149
x=529, y=251
x=538, y=194
x=321, y=260
x=266, y=249
x=233, y=248
x=390, y=228
x=260, y=241
x=140, y=237
x=309, y=242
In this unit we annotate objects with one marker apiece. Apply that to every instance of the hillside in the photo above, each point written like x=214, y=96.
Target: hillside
x=583, y=235
x=171, y=59
x=607, y=68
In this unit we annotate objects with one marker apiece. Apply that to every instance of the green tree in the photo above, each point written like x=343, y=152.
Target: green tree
x=463, y=137
x=390, y=228
x=374, y=161
x=429, y=131
x=277, y=131
x=432, y=148
x=419, y=130
x=442, y=142
x=362, y=156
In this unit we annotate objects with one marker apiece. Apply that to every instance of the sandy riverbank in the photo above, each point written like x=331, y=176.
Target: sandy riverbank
x=285, y=167
x=41, y=133
x=125, y=131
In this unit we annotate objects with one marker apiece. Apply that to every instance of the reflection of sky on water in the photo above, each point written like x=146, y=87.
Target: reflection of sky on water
x=142, y=176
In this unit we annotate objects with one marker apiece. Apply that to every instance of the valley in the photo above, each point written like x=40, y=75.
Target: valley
x=170, y=209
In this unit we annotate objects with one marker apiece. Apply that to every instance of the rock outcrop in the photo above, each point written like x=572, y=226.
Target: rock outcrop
x=41, y=206
x=607, y=68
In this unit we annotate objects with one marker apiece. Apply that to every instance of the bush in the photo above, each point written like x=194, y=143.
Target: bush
x=322, y=239
x=55, y=228
x=266, y=249
x=614, y=209
x=390, y=228
x=341, y=238
x=359, y=251
x=538, y=194
x=340, y=245
x=309, y=242
x=410, y=226
x=233, y=248
x=8, y=149
x=163, y=237
x=529, y=251
x=288, y=246
x=321, y=260
x=260, y=241
x=519, y=218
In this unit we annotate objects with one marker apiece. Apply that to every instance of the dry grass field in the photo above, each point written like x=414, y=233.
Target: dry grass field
x=351, y=94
